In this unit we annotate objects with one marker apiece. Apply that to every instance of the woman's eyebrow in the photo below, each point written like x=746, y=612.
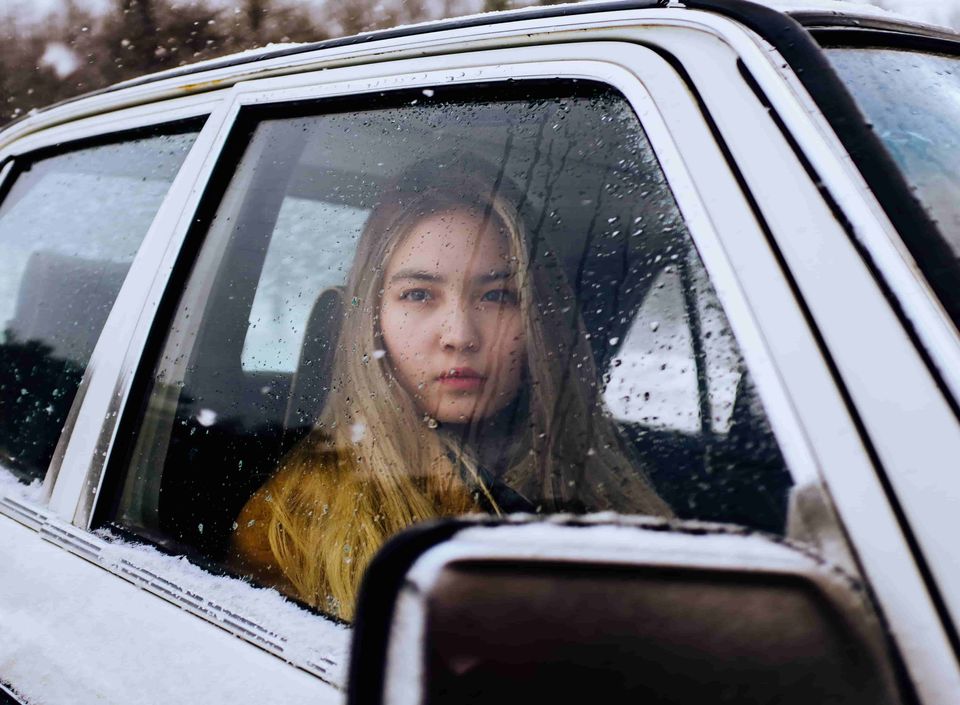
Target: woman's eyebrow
x=494, y=276
x=417, y=274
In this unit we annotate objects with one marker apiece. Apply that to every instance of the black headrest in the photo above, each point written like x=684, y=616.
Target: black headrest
x=64, y=301
x=311, y=379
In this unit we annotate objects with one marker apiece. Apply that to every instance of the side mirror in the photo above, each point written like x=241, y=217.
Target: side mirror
x=634, y=612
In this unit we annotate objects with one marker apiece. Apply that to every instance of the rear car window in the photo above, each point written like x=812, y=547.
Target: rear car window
x=70, y=225
x=437, y=303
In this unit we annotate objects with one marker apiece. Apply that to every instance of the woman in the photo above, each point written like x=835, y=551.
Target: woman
x=462, y=382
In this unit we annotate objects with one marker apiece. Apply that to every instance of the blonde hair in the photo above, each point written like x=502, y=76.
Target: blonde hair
x=371, y=466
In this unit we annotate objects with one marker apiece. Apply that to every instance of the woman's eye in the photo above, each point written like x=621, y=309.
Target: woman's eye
x=415, y=295
x=500, y=296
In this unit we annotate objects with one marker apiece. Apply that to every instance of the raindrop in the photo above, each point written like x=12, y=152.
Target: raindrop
x=357, y=432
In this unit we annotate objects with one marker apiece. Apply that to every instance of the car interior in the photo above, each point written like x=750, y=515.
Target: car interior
x=595, y=198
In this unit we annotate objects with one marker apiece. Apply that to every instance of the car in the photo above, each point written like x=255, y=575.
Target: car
x=721, y=462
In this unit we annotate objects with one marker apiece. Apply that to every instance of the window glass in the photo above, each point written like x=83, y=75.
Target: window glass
x=912, y=101
x=293, y=263
x=438, y=303
x=69, y=228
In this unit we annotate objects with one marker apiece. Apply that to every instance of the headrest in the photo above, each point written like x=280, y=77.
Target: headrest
x=64, y=302
x=311, y=379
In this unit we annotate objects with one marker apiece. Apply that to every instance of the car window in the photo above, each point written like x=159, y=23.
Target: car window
x=912, y=102
x=437, y=303
x=69, y=228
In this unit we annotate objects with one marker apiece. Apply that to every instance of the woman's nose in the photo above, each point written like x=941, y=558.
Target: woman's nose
x=459, y=329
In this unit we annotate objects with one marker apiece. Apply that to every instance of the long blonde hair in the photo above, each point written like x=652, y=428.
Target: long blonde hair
x=373, y=465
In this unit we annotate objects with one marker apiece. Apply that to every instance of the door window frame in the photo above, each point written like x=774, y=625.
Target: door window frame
x=604, y=62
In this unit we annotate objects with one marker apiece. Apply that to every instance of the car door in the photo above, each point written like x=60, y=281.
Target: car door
x=206, y=391
x=85, y=211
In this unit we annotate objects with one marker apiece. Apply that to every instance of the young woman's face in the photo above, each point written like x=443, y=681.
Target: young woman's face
x=450, y=317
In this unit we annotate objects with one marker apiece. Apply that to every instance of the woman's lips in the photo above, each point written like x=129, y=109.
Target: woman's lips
x=461, y=379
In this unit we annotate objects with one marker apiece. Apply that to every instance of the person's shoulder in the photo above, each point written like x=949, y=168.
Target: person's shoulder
x=250, y=542
x=312, y=458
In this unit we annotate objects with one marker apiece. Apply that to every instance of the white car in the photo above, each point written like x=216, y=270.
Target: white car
x=745, y=215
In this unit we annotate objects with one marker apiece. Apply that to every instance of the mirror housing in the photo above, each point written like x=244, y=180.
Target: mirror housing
x=609, y=611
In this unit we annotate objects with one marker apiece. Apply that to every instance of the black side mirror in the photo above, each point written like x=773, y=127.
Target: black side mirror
x=588, y=612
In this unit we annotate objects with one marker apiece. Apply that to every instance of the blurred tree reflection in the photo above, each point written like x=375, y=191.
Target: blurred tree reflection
x=74, y=51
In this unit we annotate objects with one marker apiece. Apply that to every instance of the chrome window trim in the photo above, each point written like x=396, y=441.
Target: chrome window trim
x=24, y=511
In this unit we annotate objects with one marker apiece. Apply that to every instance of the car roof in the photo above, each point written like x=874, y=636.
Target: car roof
x=819, y=14
x=839, y=10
